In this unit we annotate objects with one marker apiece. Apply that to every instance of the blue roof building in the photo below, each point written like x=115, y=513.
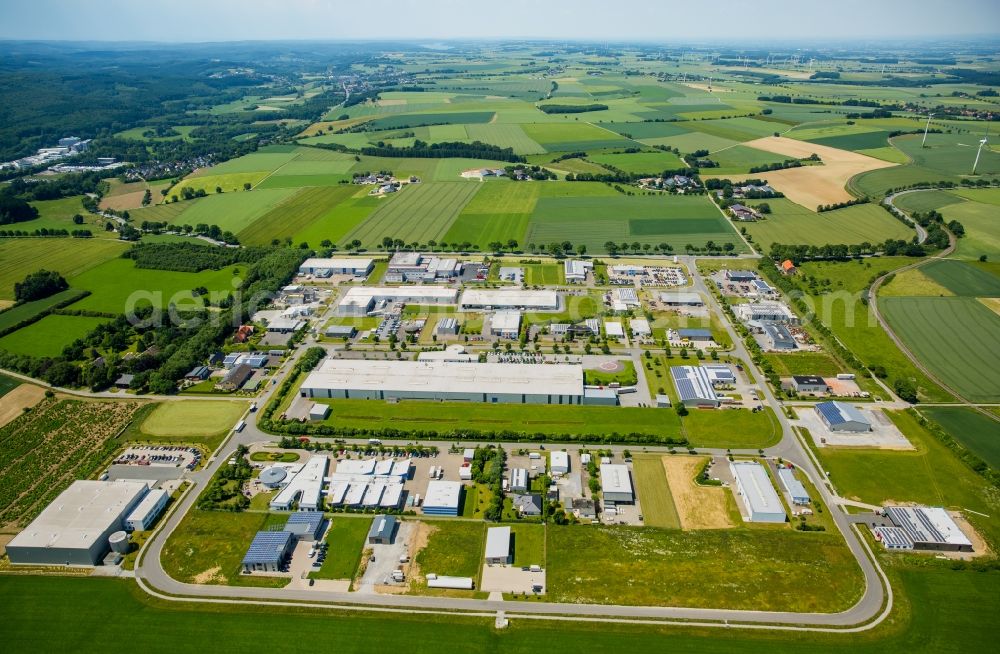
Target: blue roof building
x=695, y=334
x=694, y=386
x=268, y=551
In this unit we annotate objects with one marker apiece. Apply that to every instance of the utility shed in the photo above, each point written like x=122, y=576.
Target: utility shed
x=616, y=484
x=74, y=528
x=268, y=551
x=758, y=494
x=383, y=530
x=498, y=545
x=793, y=486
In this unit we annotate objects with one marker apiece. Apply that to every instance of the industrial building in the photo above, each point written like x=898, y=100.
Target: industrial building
x=759, y=497
x=694, y=387
x=505, y=324
x=383, y=530
x=305, y=487
x=761, y=312
x=337, y=266
x=283, y=325
x=793, y=487
x=928, y=528
x=509, y=298
x=235, y=378
x=778, y=337
x=442, y=498
x=616, y=484
x=74, y=528
x=319, y=411
x=681, y=299
x=840, y=416
x=740, y=275
x=640, y=327
x=519, y=480
x=719, y=373
x=575, y=270
x=446, y=327
x=445, y=380
x=268, y=551
x=416, y=267
x=360, y=300
x=614, y=329
x=559, y=462
x=144, y=515
x=695, y=334
x=340, y=331
x=809, y=384
x=306, y=525
x=623, y=299
x=498, y=546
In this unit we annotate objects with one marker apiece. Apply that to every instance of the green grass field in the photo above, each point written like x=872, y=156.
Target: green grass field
x=837, y=298
x=546, y=419
x=654, y=162
x=7, y=384
x=58, y=214
x=948, y=335
x=192, y=420
x=930, y=475
x=27, y=310
x=741, y=158
x=70, y=257
x=658, y=508
x=300, y=212
x=970, y=428
x=593, y=221
x=979, y=217
x=48, y=336
x=528, y=544
x=208, y=547
x=921, y=201
x=231, y=211
x=498, y=212
x=416, y=214
x=412, y=120
x=504, y=136
x=113, y=283
x=937, y=610
x=736, y=568
x=721, y=428
x=346, y=538
x=963, y=279
x=455, y=548
x=543, y=274
x=573, y=136
x=790, y=223
x=228, y=182
x=804, y=363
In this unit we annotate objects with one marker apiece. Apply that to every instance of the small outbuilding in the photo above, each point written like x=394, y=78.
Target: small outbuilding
x=319, y=411
x=809, y=384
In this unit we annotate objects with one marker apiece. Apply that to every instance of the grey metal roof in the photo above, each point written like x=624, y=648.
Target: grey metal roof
x=792, y=485
x=697, y=334
x=382, y=526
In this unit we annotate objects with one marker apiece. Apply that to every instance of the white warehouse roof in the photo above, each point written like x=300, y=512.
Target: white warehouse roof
x=317, y=263
x=443, y=494
x=497, y=543
x=446, y=377
x=307, y=484
x=81, y=514
x=413, y=294
x=510, y=297
x=615, y=478
x=758, y=493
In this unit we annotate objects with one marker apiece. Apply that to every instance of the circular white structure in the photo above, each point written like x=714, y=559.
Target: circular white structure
x=119, y=542
x=272, y=476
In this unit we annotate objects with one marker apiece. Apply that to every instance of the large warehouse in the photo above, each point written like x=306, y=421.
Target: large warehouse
x=759, y=497
x=360, y=300
x=306, y=487
x=74, y=528
x=445, y=380
x=694, y=386
x=339, y=266
x=509, y=298
x=616, y=484
x=927, y=528
x=840, y=416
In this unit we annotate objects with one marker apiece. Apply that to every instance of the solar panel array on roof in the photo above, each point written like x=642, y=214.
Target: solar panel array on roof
x=893, y=538
x=267, y=547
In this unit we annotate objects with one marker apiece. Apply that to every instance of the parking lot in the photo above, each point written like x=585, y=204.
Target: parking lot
x=174, y=456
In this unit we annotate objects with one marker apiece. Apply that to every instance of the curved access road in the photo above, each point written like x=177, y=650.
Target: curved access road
x=873, y=606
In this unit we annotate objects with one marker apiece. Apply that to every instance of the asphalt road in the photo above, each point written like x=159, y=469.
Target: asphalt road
x=871, y=609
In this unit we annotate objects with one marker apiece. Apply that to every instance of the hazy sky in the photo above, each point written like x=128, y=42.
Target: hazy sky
x=658, y=20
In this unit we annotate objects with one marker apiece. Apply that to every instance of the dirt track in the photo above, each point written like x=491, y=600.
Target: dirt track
x=698, y=507
x=811, y=186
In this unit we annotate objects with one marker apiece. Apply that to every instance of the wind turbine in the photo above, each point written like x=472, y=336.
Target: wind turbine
x=926, y=127
x=982, y=142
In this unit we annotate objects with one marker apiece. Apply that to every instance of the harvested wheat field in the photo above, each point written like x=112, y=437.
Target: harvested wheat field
x=15, y=402
x=812, y=186
x=698, y=507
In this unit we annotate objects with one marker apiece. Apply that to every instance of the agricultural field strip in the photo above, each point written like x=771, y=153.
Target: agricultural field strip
x=427, y=214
